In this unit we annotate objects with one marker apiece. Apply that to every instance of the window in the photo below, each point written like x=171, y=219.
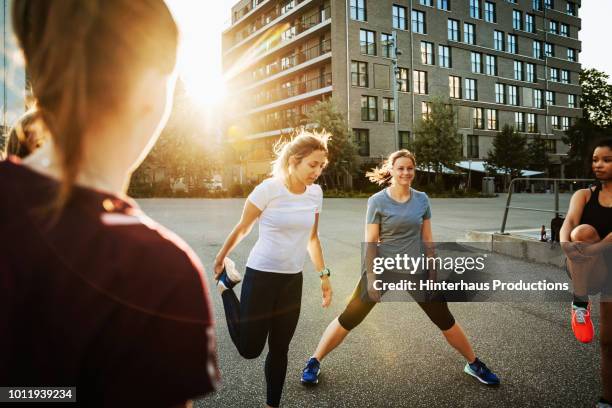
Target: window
x=367, y=41
x=444, y=5
x=489, y=12
x=492, y=119
x=513, y=95
x=498, y=40
x=425, y=109
x=388, y=110
x=361, y=139
x=399, y=17
x=549, y=4
x=472, y=146
x=500, y=94
x=453, y=30
x=404, y=139
x=386, y=45
x=531, y=72
x=537, y=49
x=554, y=74
x=428, y=3
x=478, y=118
x=518, y=70
x=427, y=56
x=454, y=84
x=530, y=23
x=470, y=89
x=571, y=54
x=571, y=101
x=550, y=98
x=565, y=123
x=554, y=122
x=418, y=22
x=565, y=76
x=359, y=73
x=420, y=82
x=549, y=50
x=476, y=62
x=537, y=5
x=475, y=8
x=519, y=121
x=512, y=47
x=564, y=30
x=490, y=65
x=369, y=108
x=532, y=124
x=468, y=33
x=517, y=20
x=551, y=145
x=553, y=27
x=537, y=99
x=358, y=10
x=444, y=56
x=402, y=79
x=571, y=8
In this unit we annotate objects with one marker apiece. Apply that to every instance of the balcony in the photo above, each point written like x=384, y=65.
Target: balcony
x=276, y=43
x=283, y=123
x=273, y=17
x=288, y=92
x=286, y=64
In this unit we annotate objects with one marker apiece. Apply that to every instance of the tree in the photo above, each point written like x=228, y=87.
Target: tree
x=537, y=158
x=596, y=122
x=596, y=97
x=580, y=138
x=324, y=115
x=509, y=154
x=437, y=142
x=183, y=150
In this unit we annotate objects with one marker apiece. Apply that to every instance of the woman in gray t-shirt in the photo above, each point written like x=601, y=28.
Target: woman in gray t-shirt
x=398, y=221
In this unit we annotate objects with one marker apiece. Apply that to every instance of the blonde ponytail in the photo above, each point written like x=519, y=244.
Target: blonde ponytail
x=299, y=147
x=382, y=175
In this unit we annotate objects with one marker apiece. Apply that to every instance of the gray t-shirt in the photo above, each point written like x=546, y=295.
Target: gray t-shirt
x=400, y=223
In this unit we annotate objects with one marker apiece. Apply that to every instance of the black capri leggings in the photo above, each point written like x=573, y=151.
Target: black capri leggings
x=269, y=307
x=360, y=305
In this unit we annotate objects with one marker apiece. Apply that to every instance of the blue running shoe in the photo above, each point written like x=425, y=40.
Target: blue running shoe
x=310, y=373
x=230, y=276
x=482, y=373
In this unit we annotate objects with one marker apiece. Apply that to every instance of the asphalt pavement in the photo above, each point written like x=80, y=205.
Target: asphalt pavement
x=397, y=357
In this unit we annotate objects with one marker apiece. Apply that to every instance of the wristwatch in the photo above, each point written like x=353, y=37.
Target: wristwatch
x=325, y=272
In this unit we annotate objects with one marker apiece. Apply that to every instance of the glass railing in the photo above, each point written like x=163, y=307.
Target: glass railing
x=285, y=120
x=295, y=89
x=301, y=25
x=264, y=19
x=290, y=61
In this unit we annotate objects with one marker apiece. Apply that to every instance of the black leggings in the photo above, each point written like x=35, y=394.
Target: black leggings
x=269, y=307
x=359, y=306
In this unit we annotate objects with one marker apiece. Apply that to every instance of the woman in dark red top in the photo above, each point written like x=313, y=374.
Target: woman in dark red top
x=93, y=294
x=586, y=237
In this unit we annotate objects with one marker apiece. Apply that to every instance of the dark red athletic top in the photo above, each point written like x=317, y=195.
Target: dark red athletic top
x=104, y=299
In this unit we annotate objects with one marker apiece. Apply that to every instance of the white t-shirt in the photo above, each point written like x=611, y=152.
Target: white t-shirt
x=285, y=225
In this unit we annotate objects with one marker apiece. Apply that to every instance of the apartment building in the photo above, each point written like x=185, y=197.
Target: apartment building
x=498, y=61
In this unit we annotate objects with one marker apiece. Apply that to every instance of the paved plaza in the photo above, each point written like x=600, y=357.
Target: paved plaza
x=397, y=357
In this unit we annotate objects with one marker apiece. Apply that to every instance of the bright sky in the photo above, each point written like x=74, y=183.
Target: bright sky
x=595, y=53
x=201, y=24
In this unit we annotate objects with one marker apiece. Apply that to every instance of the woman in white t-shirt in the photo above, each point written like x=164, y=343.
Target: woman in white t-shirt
x=288, y=206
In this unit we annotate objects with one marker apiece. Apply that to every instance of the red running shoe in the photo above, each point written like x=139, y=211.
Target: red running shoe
x=582, y=324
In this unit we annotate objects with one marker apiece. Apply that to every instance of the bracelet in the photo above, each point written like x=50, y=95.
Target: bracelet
x=325, y=272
